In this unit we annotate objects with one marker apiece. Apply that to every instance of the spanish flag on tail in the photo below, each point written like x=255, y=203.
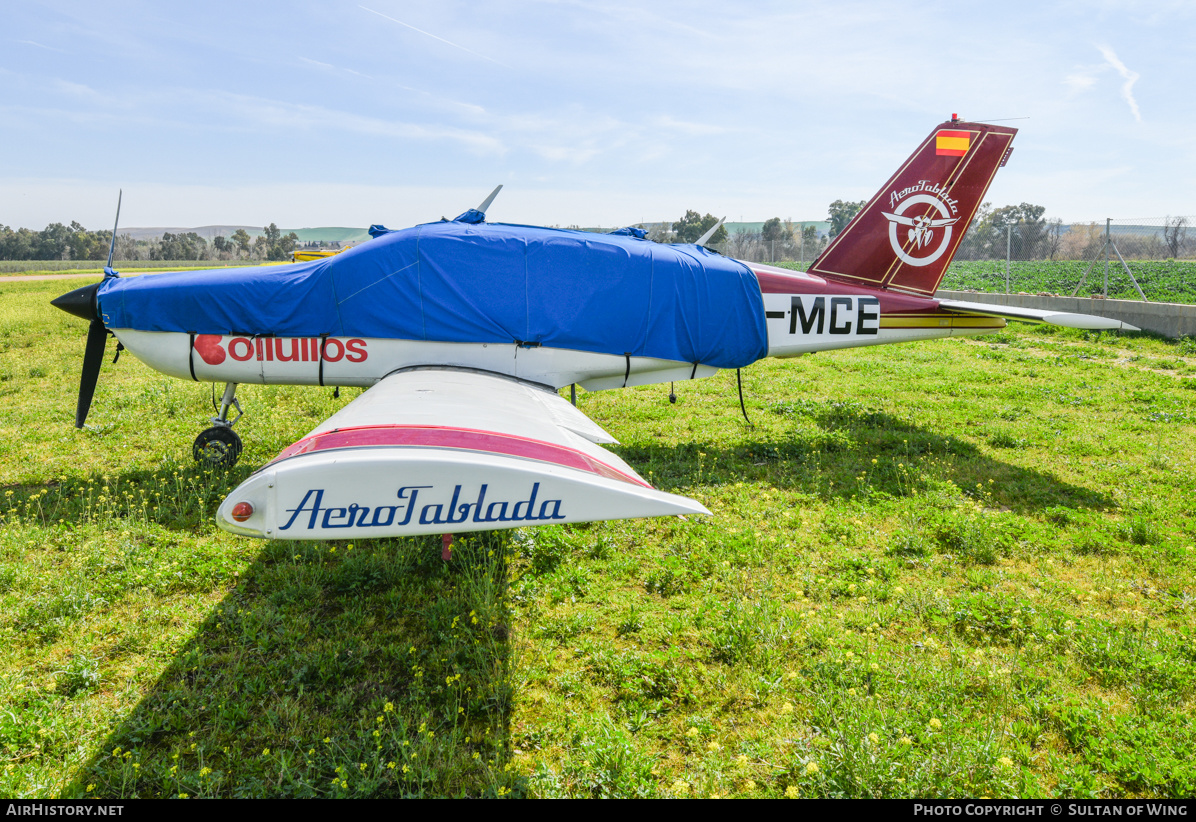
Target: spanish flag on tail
x=952, y=143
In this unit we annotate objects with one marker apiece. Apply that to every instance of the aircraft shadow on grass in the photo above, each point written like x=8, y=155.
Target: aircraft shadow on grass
x=310, y=645
x=828, y=462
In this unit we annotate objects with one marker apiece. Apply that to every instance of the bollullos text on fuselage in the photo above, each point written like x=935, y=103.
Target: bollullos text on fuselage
x=454, y=512
x=214, y=350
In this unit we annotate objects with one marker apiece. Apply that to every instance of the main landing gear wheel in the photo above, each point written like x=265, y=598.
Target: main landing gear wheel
x=217, y=447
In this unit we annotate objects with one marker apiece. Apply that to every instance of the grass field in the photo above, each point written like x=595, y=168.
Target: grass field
x=957, y=568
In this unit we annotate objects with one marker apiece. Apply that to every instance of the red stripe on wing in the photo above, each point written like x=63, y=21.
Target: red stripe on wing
x=462, y=439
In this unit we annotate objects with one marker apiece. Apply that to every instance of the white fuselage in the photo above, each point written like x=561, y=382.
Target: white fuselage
x=797, y=323
x=812, y=316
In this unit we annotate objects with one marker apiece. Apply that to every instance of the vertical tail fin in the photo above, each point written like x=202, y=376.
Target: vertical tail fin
x=906, y=235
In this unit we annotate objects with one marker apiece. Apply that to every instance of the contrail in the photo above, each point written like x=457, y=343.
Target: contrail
x=40, y=46
x=433, y=36
x=1131, y=77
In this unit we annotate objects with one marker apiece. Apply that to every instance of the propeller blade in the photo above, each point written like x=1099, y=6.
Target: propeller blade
x=112, y=245
x=705, y=238
x=486, y=203
x=97, y=339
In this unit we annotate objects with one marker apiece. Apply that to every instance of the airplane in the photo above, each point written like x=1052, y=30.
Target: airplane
x=307, y=255
x=463, y=331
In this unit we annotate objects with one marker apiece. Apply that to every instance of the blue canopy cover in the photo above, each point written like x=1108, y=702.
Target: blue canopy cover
x=474, y=282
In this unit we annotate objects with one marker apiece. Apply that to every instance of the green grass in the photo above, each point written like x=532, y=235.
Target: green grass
x=953, y=568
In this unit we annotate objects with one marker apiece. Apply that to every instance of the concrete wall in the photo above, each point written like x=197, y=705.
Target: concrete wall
x=1168, y=319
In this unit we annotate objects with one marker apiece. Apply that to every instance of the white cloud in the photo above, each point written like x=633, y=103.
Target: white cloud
x=1130, y=77
x=671, y=123
x=1079, y=81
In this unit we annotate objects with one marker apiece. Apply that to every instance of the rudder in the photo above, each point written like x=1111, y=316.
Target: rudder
x=906, y=235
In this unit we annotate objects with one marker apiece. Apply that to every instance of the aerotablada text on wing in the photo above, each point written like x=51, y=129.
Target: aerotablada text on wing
x=464, y=330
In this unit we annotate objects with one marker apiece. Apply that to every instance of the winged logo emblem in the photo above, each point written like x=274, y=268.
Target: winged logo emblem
x=928, y=234
x=921, y=233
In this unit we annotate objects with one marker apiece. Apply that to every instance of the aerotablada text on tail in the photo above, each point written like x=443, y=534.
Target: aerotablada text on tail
x=434, y=318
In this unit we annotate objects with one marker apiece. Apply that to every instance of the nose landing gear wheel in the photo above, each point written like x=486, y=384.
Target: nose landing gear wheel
x=217, y=447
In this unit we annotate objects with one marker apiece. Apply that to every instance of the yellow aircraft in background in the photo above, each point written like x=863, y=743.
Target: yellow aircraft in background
x=307, y=256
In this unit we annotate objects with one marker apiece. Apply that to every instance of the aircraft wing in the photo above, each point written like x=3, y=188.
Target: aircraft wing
x=1037, y=315
x=444, y=451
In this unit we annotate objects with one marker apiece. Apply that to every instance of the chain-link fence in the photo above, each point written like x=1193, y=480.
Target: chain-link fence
x=752, y=247
x=1135, y=259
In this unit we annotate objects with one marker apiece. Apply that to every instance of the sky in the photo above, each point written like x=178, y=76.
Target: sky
x=398, y=112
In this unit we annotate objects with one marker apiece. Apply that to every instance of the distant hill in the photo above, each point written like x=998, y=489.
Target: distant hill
x=340, y=234
x=331, y=234
x=205, y=231
x=821, y=226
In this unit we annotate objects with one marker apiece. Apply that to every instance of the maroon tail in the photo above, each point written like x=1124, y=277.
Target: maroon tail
x=906, y=235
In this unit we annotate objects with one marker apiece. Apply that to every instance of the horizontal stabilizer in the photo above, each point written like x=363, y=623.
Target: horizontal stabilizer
x=1066, y=319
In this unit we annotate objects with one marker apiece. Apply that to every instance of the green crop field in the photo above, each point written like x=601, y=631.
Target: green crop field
x=1170, y=281
x=942, y=569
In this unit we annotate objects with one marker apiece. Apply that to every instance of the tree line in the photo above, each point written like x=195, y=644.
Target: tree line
x=1023, y=232
x=1023, y=229
x=74, y=242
